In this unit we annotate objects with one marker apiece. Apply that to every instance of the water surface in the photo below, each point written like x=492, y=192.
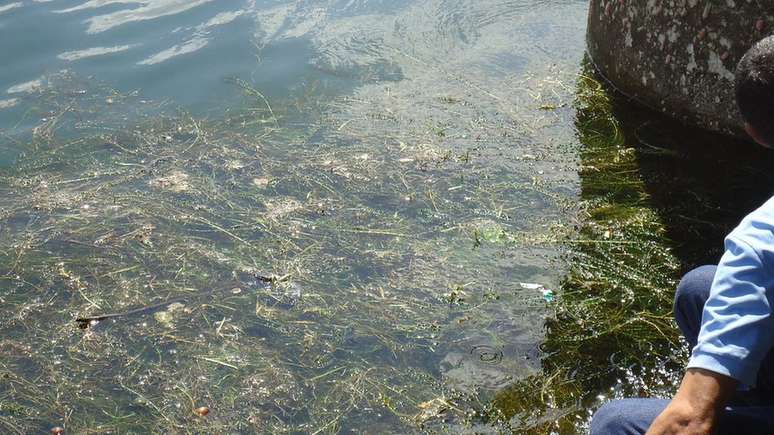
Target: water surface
x=342, y=198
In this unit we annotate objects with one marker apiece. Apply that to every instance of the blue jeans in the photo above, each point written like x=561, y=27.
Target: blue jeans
x=751, y=413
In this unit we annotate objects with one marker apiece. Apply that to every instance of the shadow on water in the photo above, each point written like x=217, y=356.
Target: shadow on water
x=657, y=198
x=701, y=184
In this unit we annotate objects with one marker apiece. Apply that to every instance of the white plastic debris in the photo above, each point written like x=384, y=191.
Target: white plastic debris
x=548, y=295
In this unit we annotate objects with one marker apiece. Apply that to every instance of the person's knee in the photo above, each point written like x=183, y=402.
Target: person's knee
x=626, y=416
x=695, y=286
x=610, y=419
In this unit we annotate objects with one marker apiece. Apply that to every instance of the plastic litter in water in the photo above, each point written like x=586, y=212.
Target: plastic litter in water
x=530, y=286
x=548, y=295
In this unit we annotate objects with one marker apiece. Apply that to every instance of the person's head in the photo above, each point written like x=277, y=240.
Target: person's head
x=755, y=91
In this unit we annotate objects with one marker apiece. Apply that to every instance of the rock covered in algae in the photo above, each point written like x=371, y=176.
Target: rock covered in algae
x=678, y=57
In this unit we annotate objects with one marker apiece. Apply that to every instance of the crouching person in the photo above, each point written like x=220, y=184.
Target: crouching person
x=724, y=311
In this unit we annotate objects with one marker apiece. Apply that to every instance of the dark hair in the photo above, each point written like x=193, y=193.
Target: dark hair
x=755, y=88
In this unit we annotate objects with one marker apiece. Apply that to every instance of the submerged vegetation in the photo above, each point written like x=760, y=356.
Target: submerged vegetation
x=284, y=279
x=379, y=266
x=657, y=198
x=612, y=334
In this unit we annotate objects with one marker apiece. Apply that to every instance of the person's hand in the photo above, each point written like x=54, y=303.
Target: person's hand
x=694, y=409
x=683, y=418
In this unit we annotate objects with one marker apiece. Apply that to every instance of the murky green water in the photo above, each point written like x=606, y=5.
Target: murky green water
x=328, y=208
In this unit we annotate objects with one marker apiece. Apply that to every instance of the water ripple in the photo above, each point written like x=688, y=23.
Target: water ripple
x=487, y=354
x=8, y=7
x=94, y=51
x=149, y=10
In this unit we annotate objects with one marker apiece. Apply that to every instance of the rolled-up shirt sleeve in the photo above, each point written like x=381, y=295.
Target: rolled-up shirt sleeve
x=737, y=325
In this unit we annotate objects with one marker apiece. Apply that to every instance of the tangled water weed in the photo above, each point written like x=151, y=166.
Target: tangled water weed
x=468, y=240
x=340, y=253
x=652, y=207
x=612, y=332
x=300, y=279
x=283, y=279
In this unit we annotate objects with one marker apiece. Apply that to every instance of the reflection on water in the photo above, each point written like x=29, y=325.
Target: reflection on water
x=309, y=215
x=8, y=7
x=90, y=52
x=129, y=43
x=133, y=11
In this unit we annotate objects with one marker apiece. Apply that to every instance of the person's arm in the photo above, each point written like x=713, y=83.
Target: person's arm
x=695, y=407
x=737, y=329
x=736, y=333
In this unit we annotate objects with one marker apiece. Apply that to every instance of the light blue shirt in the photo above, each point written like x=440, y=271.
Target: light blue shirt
x=737, y=328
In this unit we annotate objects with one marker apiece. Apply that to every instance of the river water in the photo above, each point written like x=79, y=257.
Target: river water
x=341, y=215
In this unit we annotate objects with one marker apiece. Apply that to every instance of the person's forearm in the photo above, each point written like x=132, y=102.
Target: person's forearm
x=706, y=389
x=695, y=407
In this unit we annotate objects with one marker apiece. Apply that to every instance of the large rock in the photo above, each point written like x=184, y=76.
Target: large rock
x=678, y=56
